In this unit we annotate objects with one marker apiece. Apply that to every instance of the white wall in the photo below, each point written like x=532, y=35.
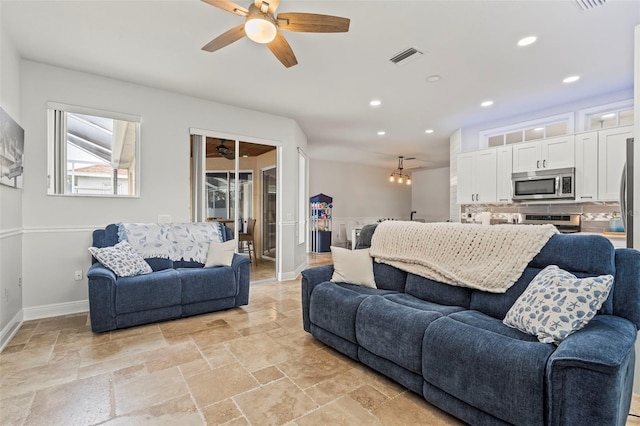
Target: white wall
x=57, y=229
x=636, y=177
x=10, y=199
x=430, y=194
x=361, y=194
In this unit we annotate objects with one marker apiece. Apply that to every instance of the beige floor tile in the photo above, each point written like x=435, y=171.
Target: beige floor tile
x=338, y=386
x=635, y=404
x=267, y=374
x=81, y=402
x=257, y=351
x=318, y=366
x=220, y=384
x=218, y=355
x=13, y=349
x=299, y=342
x=240, y=421
x=21, y=337
x=134, y=331
x=409, y=408
x=213, y=336
x=172, y=356
x=633, y=421
x=195, y=367
x=43, y=341
x=251, y=319
x=36, y=378
x=110, y=365
x=123, y=347
x=140, y=393
x=26, y=359
x=14, y=410
x=127, y=373
x=274, y=404
x=342, y=412
x=180, y=411
x=379, y=381
x=260, y=328
x=182, y=326
x=221, y=412
x=61, y=323
x=368, y=397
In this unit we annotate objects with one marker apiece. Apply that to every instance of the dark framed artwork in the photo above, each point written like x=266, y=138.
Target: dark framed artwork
x=11, y=151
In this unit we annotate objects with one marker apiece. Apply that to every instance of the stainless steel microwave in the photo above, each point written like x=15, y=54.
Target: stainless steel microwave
x=553, y=184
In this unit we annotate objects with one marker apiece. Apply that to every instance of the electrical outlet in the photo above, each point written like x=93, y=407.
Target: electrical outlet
x=78, y=275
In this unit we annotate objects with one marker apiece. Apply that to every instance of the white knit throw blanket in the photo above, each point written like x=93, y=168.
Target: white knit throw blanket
x=489, y=258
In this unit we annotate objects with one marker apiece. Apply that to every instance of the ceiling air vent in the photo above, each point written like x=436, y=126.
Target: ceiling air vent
x=588, y=4
x=405, y=55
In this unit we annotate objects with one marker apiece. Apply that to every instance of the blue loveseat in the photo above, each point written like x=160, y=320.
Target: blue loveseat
x=449, y=344
x=174, y=289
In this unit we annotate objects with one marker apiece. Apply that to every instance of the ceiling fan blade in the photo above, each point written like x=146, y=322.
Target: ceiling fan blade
x=229, y=6
x=312, y=23
x=225, y=39
x=281, y=49
x=271, y=5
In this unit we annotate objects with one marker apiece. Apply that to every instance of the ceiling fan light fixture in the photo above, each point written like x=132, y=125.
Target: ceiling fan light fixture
x=260, y=27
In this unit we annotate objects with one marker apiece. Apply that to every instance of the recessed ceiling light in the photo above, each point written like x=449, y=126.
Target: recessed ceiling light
x=527, y=41
x=571, y=79
x=434, y=78
x=382, y=133
x=538, y=129
x=375, y=102
x=486, y=103
x=610, y=115
x=429, y=131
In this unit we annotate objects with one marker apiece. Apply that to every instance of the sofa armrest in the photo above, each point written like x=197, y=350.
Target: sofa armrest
x=595, y=362
x=102, y=296
x=311, y=278
x=242, y=269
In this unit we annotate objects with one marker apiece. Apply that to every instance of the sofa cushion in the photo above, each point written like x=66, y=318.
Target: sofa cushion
x=122, y=259
x=437, y=292
x=389, y=278
x=220, y=254
x=423, y=305
x=200, y=284
x=395, y=331
x=353, y=267
x=477, y=359
x=556, y=304
x=145, y=292
x=333, y=307
x=159, y=263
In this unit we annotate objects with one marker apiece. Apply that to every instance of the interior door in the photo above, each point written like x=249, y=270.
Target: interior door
x=269, y=201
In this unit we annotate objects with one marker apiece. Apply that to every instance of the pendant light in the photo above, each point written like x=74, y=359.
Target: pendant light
x=399, y=175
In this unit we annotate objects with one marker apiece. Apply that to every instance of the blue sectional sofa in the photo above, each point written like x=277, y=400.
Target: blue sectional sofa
x=449, y=344
x=174, y=289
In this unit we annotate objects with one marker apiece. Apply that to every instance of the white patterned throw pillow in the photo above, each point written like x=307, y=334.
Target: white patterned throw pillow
x=122, y=259
x=557, y=303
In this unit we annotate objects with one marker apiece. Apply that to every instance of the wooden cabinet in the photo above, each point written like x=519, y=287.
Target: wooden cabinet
x=552, y=153
x=477, y=177
x=586, y=184
x=504, y=168
x=611, y=159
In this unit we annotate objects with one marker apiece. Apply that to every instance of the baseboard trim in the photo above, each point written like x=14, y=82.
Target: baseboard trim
x=11, y=329
x=56, y=310
x=288, y=276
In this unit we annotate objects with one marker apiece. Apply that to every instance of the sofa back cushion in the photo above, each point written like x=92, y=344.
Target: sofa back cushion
x=437, y=292
x=389, y=278
x=582, y=255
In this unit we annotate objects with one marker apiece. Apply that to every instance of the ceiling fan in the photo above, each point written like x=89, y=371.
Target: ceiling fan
x=263, y=26
x=225, y=152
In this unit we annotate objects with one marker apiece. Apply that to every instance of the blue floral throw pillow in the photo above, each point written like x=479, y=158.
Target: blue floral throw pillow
x=557, y=303
x=122, y=259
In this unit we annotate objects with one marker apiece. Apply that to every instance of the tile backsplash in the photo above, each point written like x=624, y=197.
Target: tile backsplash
x=594, y=216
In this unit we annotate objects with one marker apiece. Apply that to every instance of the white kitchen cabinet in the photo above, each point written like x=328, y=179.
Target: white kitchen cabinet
x=504, y=162
x=586, y=184
x=552, y=153
x=611, y=159
x=477, y=177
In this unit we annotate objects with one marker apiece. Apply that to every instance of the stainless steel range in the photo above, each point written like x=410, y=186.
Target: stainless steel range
x=566, y=223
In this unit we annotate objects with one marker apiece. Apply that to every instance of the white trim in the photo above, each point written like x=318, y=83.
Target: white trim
x=11, y=329
x=239, y=138
x=288, y=276
x=75, y=109
x=613, y=106
x=61, y=229
x=56, y=309
x=12, y=232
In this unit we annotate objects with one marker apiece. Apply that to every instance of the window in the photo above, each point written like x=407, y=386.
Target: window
x=609, y=115
x=220, y=201
x=92, y=152
x=557, y=125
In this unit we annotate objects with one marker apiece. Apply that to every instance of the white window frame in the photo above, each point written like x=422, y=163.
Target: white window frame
x=568, y=118
x=57, y=161
x=584, y=122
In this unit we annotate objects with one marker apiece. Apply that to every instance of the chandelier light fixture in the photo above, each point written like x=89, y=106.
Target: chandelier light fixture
x=399, y=175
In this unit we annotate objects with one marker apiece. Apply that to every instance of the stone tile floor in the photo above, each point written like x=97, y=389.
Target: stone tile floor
x=246, y=366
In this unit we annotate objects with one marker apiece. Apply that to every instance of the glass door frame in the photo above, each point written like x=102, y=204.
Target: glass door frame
x=263, y=209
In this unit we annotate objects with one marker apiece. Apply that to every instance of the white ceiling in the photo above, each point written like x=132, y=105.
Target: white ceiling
x=471, y=44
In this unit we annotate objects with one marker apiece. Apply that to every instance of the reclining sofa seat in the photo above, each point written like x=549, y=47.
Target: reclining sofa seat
x=174, y=289
x=449, y=344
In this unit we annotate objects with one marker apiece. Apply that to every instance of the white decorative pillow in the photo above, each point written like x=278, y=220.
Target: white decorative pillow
x=557, y=303
x=122, y=259
x=352, y=267
x=220, y=254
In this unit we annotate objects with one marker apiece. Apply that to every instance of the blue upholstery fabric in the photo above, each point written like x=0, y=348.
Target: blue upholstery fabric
x=139, y=293
x=393, y=331
x=159, y=264
x=433, y=291
x=146, y=317
x=497, y=304
x=488, y=323
x=346, y=347
x=208, y=306
x=423, y=305
x=389, y=278
x=502, y=374
x=390, y=369
x=310, y=279
x=626, y=297
x=199, y=285
x=102, y=296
